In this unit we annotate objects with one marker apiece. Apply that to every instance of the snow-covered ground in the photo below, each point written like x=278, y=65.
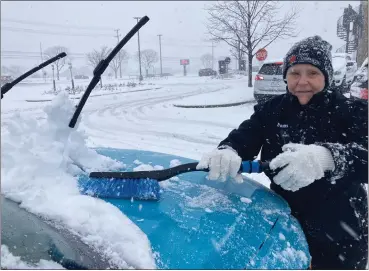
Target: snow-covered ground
x=148, y=120
x=41, y=154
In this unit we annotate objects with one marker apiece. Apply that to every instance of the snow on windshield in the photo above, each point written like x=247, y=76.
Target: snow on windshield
x=38, y=167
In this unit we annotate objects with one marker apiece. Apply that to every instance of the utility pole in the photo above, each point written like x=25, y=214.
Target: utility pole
x=139, y=51
x=120, y=63
x=52, y=66
x=71, y=76
x=212, y=55
x=161, y=66
x=43, y=72
x=239, y=54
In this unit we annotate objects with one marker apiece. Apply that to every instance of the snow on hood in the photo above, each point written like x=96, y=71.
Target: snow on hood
x=39, y=164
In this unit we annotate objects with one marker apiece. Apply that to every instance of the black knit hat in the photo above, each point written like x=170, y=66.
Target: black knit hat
x=313, y=50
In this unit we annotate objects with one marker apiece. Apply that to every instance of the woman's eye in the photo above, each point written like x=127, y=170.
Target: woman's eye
x=313, y=73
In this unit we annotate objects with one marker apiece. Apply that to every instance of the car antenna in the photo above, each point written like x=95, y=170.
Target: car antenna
x=7, y=86
x=101, y=67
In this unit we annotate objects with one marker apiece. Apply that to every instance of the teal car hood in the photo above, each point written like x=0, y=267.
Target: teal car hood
x=202, y=224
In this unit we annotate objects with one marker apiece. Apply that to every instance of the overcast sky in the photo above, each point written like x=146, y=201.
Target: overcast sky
x=83, y=26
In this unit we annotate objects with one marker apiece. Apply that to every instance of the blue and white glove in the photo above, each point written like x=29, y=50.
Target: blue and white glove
x=303, y=164
x=221, y=164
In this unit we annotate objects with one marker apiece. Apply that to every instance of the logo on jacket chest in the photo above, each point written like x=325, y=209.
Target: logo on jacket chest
x=280, y=125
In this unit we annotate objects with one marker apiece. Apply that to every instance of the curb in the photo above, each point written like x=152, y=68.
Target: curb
x=214, y=105
x=95, y=95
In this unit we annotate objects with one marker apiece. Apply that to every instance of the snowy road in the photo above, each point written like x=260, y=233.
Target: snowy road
x=148, y=120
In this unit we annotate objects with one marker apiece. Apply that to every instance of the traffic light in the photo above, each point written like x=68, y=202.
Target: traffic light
x=242, y=65
x=222, y=67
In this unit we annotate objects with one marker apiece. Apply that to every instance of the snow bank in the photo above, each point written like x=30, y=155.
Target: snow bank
x=38, y=167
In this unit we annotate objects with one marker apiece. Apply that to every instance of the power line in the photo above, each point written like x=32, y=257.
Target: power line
x=35, y=53
x=180, y=43
x=54, y=25
x=46, y=32
x=18, y=54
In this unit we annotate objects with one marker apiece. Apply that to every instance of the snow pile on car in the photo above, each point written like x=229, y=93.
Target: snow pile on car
x=40, y=161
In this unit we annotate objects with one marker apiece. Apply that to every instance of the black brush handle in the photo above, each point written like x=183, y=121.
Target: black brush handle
x=164, y=174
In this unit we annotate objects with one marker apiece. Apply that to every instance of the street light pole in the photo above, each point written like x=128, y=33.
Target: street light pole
x=212, y=55
x=161, y=66
x=139, y=51
x=52, y=67
x=120, y=63
x=71, y=74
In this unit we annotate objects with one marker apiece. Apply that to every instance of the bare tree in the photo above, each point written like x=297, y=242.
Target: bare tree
x=117, y=61
x=148, y=58
x=53, y=51
x=207, y=61
x=94, y=57
x=254, y=24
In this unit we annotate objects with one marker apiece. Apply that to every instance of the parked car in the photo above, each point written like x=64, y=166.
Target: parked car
x=269, y=81
x=81, y=76
x=207, y=72
x=344, y=71
x=196, y=224
x=359, y=87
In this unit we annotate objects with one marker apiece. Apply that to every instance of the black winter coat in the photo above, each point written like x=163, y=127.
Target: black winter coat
x=334, y=208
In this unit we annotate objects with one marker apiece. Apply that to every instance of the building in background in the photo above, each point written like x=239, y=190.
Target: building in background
x=352, y=27
x=362, y=50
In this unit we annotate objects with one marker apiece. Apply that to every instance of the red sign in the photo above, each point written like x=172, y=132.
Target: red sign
x=184, y=62
x=261, y=54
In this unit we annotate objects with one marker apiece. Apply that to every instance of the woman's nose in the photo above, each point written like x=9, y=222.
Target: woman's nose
x=303, y=80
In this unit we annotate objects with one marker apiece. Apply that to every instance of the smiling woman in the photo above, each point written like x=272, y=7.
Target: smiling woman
x=304, y=81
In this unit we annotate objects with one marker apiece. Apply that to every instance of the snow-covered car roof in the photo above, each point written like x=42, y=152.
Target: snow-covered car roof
x=338, y=62
x=273, y=61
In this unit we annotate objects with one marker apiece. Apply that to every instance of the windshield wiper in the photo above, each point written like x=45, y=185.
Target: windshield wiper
x=7, y=86
x=101, y=67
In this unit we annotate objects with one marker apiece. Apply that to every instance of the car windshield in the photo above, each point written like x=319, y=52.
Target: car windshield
x=271, y=69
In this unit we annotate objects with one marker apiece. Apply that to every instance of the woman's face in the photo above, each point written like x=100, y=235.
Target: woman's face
x=304, y=80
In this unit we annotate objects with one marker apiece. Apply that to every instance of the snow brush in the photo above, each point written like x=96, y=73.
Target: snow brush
x=7, y=86
x=144, y=185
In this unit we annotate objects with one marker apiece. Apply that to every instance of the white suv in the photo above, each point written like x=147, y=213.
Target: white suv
x=344, y=71
x=269, y=81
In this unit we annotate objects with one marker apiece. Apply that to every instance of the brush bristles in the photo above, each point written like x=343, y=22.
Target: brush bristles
x=145, y=189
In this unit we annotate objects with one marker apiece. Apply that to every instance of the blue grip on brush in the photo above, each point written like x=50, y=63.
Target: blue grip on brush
x=250, y=167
